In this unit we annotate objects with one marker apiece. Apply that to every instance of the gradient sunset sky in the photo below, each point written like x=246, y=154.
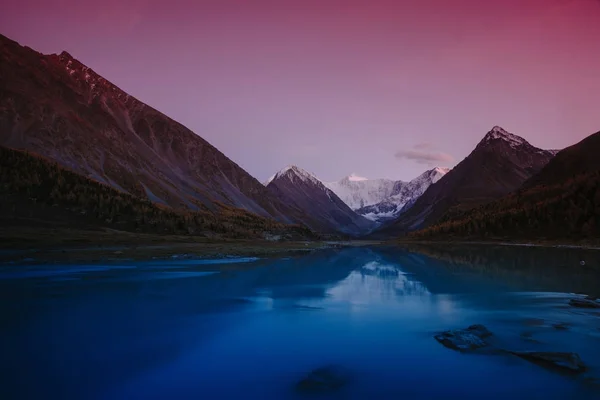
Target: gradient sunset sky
x=379, y=88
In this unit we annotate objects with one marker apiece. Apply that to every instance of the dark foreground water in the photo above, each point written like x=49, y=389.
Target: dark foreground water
x=185, y=329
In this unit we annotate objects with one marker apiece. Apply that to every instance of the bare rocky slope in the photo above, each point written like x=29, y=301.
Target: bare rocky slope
x=324, y=211
x=57, y=107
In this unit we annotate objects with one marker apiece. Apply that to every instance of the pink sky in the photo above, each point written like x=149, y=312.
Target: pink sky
x=335, y=87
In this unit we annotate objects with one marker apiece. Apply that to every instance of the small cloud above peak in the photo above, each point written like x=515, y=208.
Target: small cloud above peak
x=424, y=153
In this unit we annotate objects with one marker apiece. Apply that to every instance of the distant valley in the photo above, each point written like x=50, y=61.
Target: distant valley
x=79, y=151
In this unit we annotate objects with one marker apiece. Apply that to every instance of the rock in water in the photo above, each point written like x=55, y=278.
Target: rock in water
x=469, y=339
x=588, y=302
x=324, y=379
x=569, y=362
x=561, y=326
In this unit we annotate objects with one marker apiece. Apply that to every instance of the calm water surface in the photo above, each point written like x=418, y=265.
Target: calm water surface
x=190, y=329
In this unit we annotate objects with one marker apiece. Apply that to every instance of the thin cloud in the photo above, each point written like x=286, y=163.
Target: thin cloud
x=424, y=146
x=421, y=156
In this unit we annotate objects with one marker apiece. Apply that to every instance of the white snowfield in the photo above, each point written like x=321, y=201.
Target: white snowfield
x=382, y=199
x=358, y=192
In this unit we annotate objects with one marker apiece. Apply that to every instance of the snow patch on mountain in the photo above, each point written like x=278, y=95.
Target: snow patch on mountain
x=359, y=192
x=499, y=135
x=376, y=216
x=355, y=178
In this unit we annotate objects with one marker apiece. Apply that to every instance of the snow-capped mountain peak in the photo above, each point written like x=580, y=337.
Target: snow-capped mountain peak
x=294, y=172
x=325, y=211
x=498, y=133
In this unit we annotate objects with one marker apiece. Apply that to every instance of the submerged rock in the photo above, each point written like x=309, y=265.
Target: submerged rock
x=570, y=362
x=307, y=308
x=324, y=379
x=528, y=337
x=469, y=339
x=561, y=326
x=592, y=380
x=588, y=302
x=534, y=322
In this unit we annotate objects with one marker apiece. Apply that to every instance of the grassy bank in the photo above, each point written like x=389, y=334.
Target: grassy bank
x=583, y=243
x=76, y=246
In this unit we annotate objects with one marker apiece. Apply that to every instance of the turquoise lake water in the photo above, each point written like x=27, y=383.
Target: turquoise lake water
x=251, y=329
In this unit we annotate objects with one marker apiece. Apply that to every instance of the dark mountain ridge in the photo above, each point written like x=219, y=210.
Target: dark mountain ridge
x=57, y=107
x=580, y=158
x=562, y=201
x=499, y=164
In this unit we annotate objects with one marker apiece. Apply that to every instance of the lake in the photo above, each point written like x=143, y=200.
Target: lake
x=252, y=329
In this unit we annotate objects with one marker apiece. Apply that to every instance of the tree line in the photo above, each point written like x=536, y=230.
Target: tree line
x=569, y=209
x=33, y=185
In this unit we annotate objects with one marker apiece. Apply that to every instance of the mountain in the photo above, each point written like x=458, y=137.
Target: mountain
x=382, y=199
x=500, y=164
x=402, y=197
x=561, y=201
x=55, y=106
x=581, y=158
x=36, y=192
x=324, y=211
x=358, y=192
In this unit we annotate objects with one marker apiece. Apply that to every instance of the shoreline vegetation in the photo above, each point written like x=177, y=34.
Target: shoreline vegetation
x=588, y=244
x=52, y=245
x=37, y=192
